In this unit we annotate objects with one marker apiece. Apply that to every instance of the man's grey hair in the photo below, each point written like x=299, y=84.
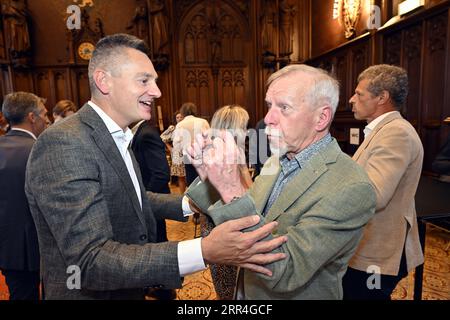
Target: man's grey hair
x=17, y=105
x=108, y=52
x=324, y=91
x=388, y=78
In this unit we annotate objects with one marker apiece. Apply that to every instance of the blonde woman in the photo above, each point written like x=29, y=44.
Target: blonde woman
x=234, y=119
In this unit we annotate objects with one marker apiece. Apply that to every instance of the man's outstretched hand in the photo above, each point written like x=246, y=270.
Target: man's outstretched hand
x=227, y=244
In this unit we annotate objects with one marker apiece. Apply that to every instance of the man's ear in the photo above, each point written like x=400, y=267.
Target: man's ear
x=31, y=117
x=101, y=78
x=324, y=118
x=384, y=97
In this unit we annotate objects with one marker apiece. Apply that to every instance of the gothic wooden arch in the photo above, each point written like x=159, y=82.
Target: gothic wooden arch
x=214, y=46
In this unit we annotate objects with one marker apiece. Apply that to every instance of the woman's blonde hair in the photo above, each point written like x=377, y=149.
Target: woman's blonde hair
x=230, y=117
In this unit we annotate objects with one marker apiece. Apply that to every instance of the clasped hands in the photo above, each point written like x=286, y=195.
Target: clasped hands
x=217, y=160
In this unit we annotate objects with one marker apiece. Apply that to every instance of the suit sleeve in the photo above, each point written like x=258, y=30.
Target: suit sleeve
x=388, y=160
x=64, y=185
x=167, y=206
x=316, y=238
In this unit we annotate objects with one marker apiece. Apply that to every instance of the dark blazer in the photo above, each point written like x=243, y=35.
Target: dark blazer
x=19, y=248
x=150, y=153
x=87, y=215
x=441, y=163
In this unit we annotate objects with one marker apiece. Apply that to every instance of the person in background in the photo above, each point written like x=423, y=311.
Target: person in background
x=177, y=166
x=184, y=135
x=441, y=164
x=19, y=250
x=62, y=109
x=259, y=149
x=392, y=156
x=233, y=119
x=4, y=126
x=150, y=153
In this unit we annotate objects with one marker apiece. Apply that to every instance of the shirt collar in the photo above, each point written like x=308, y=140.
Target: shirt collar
x=114, y=129
x=26, y=131
x=305, y=155
x=370, y=126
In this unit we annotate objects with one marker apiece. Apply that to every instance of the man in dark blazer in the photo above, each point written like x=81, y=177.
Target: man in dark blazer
x=95, y=222
x=19, y=250
x=150, y=153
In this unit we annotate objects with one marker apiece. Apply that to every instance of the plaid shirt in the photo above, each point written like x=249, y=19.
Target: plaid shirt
x=290, y=168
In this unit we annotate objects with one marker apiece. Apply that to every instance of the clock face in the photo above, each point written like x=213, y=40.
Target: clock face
x=85, y=50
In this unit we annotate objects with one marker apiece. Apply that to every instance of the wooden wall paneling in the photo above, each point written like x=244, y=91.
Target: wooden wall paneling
x=80, y=85
x=213, y=41
x=445, y=132
x=22, y=80
x=392, y=46
x=434, y=85
x=44, y=87
x=61, y=79
x=341, y=68
x=412, y=61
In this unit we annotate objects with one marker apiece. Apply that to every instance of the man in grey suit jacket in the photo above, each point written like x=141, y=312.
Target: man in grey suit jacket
x=19, y=250
x=95, y=223
x=392, y=155
x=320, y=198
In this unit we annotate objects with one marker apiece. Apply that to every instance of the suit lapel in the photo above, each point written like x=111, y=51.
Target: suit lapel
x=265, y=182
x=303, y=181
x=107, y=146
x=367, y=140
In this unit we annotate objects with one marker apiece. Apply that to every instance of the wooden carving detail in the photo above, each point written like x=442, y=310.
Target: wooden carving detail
x=15, y=21
x=277, y=31
x=437, y=33
x=213, y=36
x=393, y=49
x=413, y=43
x=213, y=41
x=232, y=89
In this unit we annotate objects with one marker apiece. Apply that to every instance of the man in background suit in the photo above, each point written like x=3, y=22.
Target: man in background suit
x=19, y=250
x=96, y=225
x=392, y=155
x=320, y=198
x=150, y=153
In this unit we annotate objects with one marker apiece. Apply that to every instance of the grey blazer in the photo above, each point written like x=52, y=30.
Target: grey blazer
x=87, y=215
x=322, y=210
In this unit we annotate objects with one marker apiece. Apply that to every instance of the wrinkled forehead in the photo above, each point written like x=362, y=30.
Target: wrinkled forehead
x=290, y=87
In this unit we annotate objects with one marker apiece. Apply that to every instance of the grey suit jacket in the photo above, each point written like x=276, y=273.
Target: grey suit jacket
x=87, y=215
x=322, y=210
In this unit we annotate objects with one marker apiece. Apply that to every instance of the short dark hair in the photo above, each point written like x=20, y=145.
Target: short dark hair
x=17, y=105
x=63, y=106
x=108, y=50
x=188, y=109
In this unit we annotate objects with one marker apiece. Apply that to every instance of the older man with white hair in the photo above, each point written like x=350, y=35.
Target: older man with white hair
x=320, y=198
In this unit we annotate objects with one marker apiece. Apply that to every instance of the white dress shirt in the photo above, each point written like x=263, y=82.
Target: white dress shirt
x=190, y=258
x=370, y=126
x=26, y=131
